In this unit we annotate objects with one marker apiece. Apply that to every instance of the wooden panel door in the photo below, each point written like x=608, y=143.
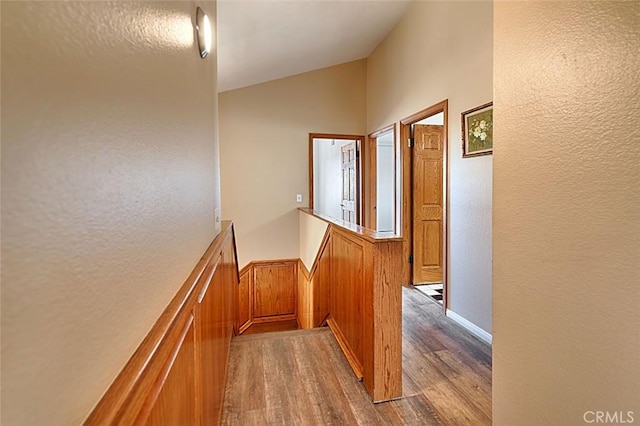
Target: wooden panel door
x=349, y=203
x=427, y=203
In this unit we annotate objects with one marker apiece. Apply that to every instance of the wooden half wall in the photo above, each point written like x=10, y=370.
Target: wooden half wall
x=177, y=375
x=355, y=285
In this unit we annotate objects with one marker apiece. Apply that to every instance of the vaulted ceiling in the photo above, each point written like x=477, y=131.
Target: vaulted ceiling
x=263, y=40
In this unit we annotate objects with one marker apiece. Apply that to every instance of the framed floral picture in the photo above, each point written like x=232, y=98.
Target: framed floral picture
x=477, y=131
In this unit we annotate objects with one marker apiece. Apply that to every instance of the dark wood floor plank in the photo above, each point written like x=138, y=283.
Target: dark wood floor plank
x=414, y=410
x=356, y=395
x=302, y=378
x=473, y=386
x=252, y=418
x=247, y=370
x=319, y=379
x=286, y=402
x=451, y=405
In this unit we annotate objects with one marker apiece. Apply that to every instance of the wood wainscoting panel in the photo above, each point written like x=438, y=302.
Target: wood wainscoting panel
x=177, y=375
x=271, y=291
x=321, y=284
x=243, y=320
x=231, y=275
x=305, y=297
x=213, y=337
x=347, y=295
x=175, y=402
x=275, y=286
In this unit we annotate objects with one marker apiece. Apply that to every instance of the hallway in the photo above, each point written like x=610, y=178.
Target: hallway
x=302, y=377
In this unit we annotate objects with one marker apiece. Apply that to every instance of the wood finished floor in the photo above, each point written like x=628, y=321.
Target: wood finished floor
x=301, y=377
x=272, y=326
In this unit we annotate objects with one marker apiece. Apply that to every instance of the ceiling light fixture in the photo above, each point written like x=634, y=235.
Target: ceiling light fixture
x=203, y=29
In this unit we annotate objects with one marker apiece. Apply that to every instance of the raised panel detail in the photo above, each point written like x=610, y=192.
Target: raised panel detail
x=347, y=295
x=176, y=402
x=321, y=285
x=274, y=289
x=432, y=235
x=244, y=301
x=305, y=298
x=431, y=175
x=213, y=335
x=431, y=141
x=359, y=272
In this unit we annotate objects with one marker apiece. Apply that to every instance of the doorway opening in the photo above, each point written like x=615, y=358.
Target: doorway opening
x=425, y=190
x=382, y=205
x=335, y=176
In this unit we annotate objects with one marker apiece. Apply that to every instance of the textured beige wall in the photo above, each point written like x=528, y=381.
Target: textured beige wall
x=566, y=212
x=312, y=232
x=109, y=184
x=443, y=50
x=264, y=151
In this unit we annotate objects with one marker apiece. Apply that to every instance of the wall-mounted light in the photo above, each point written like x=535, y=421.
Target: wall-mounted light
x=203, y=28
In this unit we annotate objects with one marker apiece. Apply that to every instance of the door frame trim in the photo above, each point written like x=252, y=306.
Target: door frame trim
x=407, y=195
x=370, y=167
x=360, y=155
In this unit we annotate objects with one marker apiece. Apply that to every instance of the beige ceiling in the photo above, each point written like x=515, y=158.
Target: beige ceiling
x=262, y=40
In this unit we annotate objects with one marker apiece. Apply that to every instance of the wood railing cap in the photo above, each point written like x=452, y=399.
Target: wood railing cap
x=360, y=231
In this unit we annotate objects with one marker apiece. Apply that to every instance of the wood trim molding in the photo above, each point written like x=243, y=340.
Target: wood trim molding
x=128, y=397
x=162, y=377
x=360, y=231
x=371, y=184
x=249, y=273
x=352, y=359
x=311, y=290
x=311, y=137
x=244, y=300
x=360, y=146
x=303, y=269
x=323, y=246
x=246, y=268
x=371, y=174
x=383, y=130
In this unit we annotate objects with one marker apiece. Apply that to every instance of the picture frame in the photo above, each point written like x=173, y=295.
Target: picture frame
x=477, y=131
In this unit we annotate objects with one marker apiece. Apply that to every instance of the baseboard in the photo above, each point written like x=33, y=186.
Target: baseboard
x=474, y=329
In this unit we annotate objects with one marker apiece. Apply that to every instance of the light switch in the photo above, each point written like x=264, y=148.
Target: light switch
x=298, y=198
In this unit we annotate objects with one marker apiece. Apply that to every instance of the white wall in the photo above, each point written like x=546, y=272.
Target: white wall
x=109, y=185
x=327, y=176
x=566, y=212
x=444, y=50
x=385, y=182
x=264, y=151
